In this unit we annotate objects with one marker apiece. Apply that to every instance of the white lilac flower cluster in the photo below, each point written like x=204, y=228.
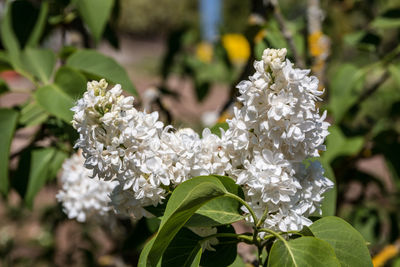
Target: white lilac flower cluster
x=83, y=197
x=134, y=148
x=266, y=148
x=271, y=136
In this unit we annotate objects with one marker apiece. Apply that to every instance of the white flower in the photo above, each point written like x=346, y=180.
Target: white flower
x=134, y=148
x=265, y=150
x=278, y=127
x=83, y=197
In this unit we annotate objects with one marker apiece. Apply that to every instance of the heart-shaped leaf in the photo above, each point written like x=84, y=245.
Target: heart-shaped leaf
x=350, y=247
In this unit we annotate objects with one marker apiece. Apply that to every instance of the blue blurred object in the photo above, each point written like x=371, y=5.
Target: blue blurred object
x=210, y=18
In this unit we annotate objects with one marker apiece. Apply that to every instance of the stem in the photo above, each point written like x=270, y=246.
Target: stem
x=253, y=215
x=264, y=216
x=280, y=233
x=277, y=235
x=240, y=237
x=259, y=252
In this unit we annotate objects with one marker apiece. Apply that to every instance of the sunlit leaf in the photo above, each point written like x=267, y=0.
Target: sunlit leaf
x=39, y=62
x=185, y=200
x=303, y=251
x=55, y=101
x=95, y=63
x=339, y=145
x=350, y=247
x=70, y=81
x=32, y=114
x=345, y=87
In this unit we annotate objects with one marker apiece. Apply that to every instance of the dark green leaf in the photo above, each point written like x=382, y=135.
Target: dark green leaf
x=182, y=250
x=303, y=251
x=70, y=81
x=349, y=245
x=39, y=172
x=95, y=14
x=97, y=64
x=8, y=122
x=24, y=14
x=39, y=62
x=55, y=101
x=40, y=24
x=58, y=158
x=225, y=251
x=185, y=200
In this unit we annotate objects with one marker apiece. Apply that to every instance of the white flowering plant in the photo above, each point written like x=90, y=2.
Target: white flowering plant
x=262, y=170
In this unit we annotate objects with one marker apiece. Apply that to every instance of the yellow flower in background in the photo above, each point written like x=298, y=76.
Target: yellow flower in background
x=204, y=52
x=237, y=47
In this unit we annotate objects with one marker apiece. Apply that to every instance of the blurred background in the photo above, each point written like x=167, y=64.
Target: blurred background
x=183, y=59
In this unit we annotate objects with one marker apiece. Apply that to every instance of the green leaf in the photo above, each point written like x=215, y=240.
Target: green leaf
x=32, y=114
x=217, y=212
x=349, y=245
x=45, y=162
x=183, y=250
x=58, y=159
x=70, y=81
x=197, y=258
x=5, y=63
x=97, y=64
x=225, y=251
x=337, y=144
x=216, y=128
x=344, y=89
x=145, y=253
x=3, y=87
x=238, y=262
x=95, y=14
x=328, y=205
x=385, y=23
x=389, y=19
x=395, y=73
x=24, y=15
x=37, y=31
x=39, y=62
x=303, y=251
x=8, y=38
x=55, y=101
x=8, y=122
x=185, y=200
